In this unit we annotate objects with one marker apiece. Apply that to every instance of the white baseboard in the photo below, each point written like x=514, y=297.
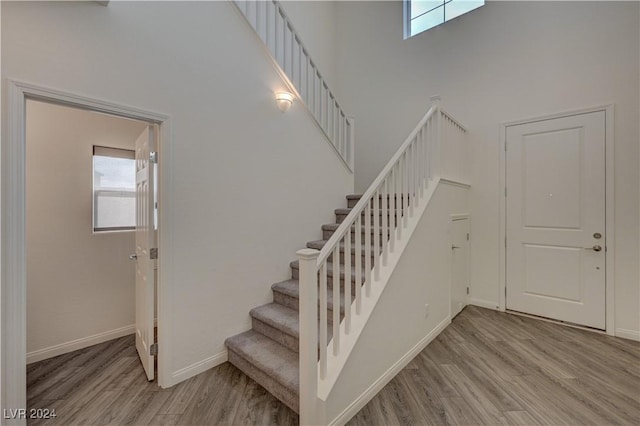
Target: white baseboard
x=198, y=367
x=628, y=334
x=77, y=344
x=387, y=376
x=483, y=303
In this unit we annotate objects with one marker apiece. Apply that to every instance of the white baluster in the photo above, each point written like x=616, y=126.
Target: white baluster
x=367, y=247
x=392, y=209
x=376, y=235
x=385, y=221
x=358, y=263
x=347, y=284
x=336, y=298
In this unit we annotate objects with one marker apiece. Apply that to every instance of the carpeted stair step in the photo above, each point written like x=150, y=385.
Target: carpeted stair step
x=280, y=324
x=318, y=245
x=295, y=270
x=329, y=228
x=269, y=363
x=277, y=322
x=287, y=293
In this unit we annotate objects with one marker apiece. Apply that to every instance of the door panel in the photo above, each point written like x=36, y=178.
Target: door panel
x=460, y=264
x=145, y=241
x=555, y=206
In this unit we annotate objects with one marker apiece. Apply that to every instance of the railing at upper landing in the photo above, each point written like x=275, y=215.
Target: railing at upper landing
x=300, y=72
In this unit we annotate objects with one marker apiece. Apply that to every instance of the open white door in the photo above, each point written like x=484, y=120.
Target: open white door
x=146, y=251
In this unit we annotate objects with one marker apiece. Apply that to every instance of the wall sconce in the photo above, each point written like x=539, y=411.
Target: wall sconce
x=284, y=101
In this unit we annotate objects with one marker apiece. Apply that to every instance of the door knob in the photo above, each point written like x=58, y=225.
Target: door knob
x=455, y=247
x=133, y=257
x=594, y=248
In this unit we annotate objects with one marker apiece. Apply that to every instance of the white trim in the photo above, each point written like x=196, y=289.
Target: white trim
x=628, y=334
x=199, y=367
x=484, y=303
x=455, y=183
x=388, y=375
x=13, y=286
x=609, y=213
x=81, y=343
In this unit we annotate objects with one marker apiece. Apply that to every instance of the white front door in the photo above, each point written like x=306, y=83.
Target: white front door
x=460, y=264
x=555, y=211
x=146, y=251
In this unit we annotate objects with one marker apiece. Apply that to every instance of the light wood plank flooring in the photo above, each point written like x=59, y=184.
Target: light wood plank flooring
x=485, y=368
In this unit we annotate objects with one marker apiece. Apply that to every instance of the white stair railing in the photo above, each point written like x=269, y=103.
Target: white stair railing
x=300, y=72
x=375, y=231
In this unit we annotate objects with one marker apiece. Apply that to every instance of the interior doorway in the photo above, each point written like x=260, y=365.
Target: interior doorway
x=14, y=255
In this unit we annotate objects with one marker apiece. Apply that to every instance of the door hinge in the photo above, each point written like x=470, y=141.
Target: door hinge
x=153, y=157
x=153, y=350
x=505, y=146
x=505, y=191
x=505, y=242
x=153, y=253
x=467, y=236
x=467, y=290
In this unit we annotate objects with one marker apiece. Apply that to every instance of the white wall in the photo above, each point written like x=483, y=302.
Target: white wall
x=423, y=275
x=249, y=186
x=79, y=284
x=502, y=62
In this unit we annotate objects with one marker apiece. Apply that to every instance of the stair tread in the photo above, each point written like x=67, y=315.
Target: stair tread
x=295, y=265
x=278, y=316
x=269, y=356
x=291, y=288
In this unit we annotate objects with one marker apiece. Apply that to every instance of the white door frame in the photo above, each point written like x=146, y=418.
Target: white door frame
x=14, y=282
x=609, y=210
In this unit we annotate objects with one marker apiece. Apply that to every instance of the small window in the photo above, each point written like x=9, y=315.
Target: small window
x=421, y=15
x=114, y=189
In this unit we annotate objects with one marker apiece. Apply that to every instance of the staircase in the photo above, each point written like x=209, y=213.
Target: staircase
x=268, y=353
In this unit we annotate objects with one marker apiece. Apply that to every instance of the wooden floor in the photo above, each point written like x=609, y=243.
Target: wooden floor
x=485, y=368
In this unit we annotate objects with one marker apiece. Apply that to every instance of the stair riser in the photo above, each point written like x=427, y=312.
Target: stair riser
x=286, y=340
x=295, y=273
x=363, y=256
x=290, y=342
x=284, y=394
x=294, y=303
x=295, y=276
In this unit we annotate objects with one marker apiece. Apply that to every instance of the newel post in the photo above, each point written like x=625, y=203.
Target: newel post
x=436, y=157
x=308, y=317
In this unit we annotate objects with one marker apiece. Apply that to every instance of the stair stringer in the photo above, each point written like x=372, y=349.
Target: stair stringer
x=335, y=364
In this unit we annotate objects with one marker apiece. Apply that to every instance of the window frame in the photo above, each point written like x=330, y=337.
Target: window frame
x=104, y=151
x=406, y=16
